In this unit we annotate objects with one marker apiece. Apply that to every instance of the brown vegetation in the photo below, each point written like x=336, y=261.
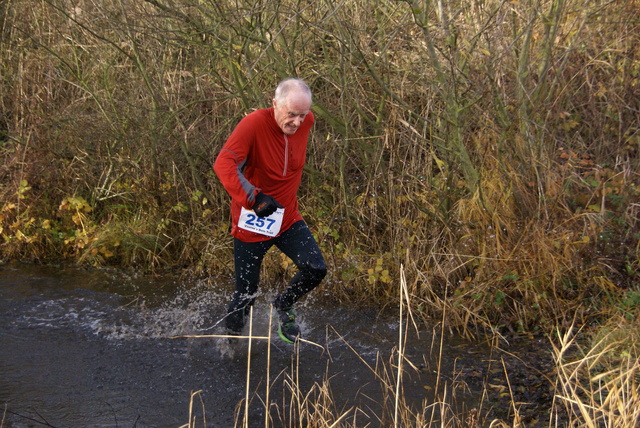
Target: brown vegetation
x=491, y=147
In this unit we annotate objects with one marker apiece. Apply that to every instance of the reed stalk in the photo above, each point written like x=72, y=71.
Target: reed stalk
x=267, y=405
x=245, y=423
x=489, y=149
x=598, y=386
x=401, y=344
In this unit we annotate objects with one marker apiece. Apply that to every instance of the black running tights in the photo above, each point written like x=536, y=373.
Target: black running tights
x=299, y=245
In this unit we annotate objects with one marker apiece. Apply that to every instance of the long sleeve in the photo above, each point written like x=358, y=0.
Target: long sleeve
x=231, y=162
x=259, y=157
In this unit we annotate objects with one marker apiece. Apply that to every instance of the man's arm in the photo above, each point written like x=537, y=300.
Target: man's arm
x=230, y=163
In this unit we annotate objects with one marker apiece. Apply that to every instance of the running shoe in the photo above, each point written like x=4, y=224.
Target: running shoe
x=288, y=330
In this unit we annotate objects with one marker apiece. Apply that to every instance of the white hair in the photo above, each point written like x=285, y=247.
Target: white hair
x=286, y=85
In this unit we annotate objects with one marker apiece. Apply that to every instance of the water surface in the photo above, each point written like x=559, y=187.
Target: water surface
x=87, y=347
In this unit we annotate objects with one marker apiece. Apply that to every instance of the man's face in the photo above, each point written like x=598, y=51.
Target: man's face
x=291, y=111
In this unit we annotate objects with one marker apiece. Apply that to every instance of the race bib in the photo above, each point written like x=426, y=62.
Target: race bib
x=269, y=226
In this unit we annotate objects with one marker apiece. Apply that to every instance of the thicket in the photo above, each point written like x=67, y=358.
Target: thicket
x=489, y=149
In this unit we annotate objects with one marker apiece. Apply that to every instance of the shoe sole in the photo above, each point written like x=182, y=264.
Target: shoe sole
x=284, y=338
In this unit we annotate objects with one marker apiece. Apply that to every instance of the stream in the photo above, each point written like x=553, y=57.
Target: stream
x=101, y=348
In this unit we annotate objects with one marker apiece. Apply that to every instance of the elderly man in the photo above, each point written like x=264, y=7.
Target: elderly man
x=260, y=166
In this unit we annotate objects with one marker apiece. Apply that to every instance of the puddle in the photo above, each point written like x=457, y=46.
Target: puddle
x=98, y=348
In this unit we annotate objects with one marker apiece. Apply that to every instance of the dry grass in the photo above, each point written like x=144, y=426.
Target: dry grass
x=595, y=384
x=491, y=148
x=316, y=407
x=598, y=384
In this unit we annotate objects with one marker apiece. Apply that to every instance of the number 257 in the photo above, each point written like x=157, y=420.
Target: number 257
x=254, y=220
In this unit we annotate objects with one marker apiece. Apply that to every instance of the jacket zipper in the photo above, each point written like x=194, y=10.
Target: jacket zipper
x=286, y=155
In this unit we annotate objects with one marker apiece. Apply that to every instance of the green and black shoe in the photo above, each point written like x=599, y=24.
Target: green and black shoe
x=288, y=330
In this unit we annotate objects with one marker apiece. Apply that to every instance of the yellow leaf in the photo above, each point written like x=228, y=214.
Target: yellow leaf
x=385, y=277
x=584, y=240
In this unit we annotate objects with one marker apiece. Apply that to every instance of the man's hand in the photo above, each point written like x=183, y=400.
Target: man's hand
x=265, y=205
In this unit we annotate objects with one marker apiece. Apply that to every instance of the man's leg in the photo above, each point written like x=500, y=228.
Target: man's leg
x=247, y=259
x=300, y=246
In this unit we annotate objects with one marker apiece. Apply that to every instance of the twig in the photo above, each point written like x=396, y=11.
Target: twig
x=246, y=398
x=266, y=401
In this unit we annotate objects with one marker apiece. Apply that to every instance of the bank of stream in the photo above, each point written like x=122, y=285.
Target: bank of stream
x=89, y=347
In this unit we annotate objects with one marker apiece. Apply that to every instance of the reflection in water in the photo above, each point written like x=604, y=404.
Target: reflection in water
x=97, y=348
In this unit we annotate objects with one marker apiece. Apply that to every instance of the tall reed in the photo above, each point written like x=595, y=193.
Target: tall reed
x=489, y=147
x=598, y=386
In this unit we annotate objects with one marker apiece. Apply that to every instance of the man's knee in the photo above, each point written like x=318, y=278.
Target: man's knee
x=317, y=270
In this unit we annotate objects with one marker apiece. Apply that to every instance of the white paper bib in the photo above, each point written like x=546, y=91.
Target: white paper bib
x=269, y=226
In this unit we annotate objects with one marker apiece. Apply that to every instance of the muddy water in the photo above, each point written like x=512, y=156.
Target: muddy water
x=97, y=348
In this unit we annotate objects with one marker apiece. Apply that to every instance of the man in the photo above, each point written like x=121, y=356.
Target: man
x=260, y=166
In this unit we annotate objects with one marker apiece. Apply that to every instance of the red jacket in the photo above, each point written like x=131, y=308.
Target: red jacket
x=259, y=157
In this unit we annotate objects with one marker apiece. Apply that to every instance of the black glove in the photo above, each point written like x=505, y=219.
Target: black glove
x=265, y=205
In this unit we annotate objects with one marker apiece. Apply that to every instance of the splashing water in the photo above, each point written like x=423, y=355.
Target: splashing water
x=99, y=348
